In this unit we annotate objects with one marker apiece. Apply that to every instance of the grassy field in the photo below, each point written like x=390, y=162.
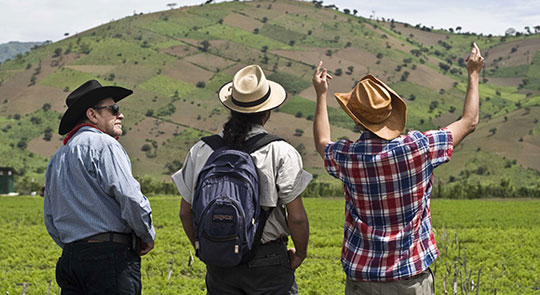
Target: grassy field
x=497, y=238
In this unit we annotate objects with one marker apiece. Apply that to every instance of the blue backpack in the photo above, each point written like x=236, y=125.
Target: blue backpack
x=227, y=216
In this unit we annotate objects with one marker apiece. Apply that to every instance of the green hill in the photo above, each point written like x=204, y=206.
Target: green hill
x=176, y=60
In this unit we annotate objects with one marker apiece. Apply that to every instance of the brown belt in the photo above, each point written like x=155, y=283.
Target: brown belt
x=109, y=237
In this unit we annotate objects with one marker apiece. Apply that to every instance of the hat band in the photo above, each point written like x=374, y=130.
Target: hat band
x=252, y=103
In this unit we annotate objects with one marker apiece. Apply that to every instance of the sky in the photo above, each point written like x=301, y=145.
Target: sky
x=41, y=20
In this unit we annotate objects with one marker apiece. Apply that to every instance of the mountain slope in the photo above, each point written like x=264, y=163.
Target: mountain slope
x=176, y=60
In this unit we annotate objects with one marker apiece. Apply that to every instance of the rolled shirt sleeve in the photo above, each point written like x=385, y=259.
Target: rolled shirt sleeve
x=186, y=178
x=441, y=146
x=117, y=181
x=330, y=163
x=291, y=179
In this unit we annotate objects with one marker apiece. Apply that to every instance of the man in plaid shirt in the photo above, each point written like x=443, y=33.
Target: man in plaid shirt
x=388, y=242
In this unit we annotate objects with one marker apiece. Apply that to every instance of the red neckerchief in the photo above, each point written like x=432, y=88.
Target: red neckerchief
x=76, y=128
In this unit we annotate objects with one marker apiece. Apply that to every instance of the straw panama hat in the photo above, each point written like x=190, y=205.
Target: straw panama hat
x=375, y=106
x=251, y=92
x=87, y=95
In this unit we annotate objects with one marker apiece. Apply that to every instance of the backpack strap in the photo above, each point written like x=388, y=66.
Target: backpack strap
x=254, y=143
x=263, y=217
x=258, y=141
x=214, y=141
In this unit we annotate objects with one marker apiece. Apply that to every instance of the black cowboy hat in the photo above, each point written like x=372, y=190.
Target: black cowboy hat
x=87, y=95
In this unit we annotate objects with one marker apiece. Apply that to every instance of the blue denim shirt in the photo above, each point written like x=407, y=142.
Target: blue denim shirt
x=89, y=190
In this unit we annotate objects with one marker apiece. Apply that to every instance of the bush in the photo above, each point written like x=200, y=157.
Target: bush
x=26, y=184
x=152, y=186
x=22, y=144
x=201, y=84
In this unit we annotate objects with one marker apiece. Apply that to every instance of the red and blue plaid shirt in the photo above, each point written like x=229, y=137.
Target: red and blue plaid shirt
x=388, y=233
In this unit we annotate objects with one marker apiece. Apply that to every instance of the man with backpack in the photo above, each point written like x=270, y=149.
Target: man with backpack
x=241, y=195
x=388, y=243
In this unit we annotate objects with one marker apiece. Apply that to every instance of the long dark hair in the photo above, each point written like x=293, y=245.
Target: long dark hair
x=238, y=126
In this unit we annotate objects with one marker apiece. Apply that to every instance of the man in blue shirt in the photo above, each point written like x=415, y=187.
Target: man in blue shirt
x=93, y=207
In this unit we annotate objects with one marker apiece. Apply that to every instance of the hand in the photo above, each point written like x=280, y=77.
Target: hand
x=295, y=259
x=475, y=61
x=321, y=80
x=145, y=248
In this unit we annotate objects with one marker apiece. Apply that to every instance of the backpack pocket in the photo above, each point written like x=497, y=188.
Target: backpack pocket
x=221, y=234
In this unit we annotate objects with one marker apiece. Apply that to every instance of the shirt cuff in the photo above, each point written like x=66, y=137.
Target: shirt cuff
x=178, y=180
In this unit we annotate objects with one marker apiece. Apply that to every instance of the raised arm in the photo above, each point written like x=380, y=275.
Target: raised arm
x=321, y=125
x=469, y=119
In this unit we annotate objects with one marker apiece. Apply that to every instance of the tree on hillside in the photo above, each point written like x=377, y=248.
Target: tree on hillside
x=444, y=66
x=510, y=32
x=171, y=5
x=317, y=4
x=57, y=52
x=47, y=134
x=204, y=45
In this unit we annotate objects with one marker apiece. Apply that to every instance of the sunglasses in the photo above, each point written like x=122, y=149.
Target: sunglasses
x=115, y=109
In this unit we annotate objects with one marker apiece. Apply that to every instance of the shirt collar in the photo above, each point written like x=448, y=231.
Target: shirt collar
x=256, y=129
x=76, y=129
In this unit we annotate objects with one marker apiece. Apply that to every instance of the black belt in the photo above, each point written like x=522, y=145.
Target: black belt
x=109, y=237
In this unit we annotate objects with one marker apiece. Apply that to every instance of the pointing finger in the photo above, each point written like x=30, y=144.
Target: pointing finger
x=318, y=68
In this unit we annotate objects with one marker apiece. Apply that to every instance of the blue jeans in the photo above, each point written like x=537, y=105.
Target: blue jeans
x=98, y=268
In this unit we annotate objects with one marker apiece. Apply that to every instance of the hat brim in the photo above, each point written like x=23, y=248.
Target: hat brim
x=277, y=97
x=388, y=129
x=74, y=112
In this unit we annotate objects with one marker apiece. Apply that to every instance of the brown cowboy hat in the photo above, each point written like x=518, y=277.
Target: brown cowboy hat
x=251, y=92
x=87, y=95
x=375, y=106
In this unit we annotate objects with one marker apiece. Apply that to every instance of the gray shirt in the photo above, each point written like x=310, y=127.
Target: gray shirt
x=281, y=179
x=89, y=189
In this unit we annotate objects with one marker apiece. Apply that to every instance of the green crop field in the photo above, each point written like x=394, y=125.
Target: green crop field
x=496, y=239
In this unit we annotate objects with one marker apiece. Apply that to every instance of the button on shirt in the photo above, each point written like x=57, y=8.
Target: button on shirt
x=388, y=233
x=281, y=179
x=90, y=190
